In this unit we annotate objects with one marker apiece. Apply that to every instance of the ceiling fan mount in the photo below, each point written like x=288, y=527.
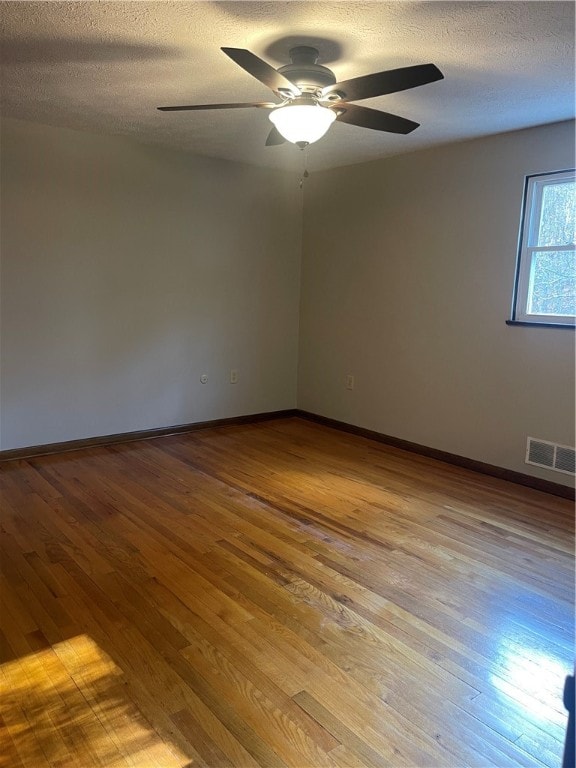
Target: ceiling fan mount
x=305, y=72
x=312, y=99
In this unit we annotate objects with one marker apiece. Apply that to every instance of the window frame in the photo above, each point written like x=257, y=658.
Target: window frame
x=530, y=218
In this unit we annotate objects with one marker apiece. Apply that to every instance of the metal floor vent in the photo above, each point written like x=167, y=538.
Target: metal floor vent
x=560, y=458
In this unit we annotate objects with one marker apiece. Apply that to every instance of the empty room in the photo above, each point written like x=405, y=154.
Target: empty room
x=287, y=384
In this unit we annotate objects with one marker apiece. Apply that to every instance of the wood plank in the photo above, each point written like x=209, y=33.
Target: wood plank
x=280, y=594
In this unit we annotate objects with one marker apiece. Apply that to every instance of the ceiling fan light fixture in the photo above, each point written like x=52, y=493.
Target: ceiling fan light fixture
x=312, y=98
x=302, y=124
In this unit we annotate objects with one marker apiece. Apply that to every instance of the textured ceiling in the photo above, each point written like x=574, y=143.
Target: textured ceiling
x=105, y=67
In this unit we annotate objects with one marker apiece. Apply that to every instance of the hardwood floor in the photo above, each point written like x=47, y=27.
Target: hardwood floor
x=280, y=594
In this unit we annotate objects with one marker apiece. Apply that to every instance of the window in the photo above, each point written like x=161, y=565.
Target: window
x=545, y=290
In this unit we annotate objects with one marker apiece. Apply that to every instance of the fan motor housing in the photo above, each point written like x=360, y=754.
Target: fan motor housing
x=304, y=71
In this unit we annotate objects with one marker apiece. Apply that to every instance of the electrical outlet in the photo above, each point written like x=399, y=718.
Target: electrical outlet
x=204, y=378
x=233, y=376
x=349, y=381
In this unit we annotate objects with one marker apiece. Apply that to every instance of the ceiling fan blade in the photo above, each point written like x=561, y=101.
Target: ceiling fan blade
x=381, y=83
x=373, y=118
x=274, y=138
x=261, y=70
x=261, y=104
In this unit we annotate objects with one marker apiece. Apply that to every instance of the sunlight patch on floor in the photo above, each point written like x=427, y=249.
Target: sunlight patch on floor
x=68, y=705
x=535, y=680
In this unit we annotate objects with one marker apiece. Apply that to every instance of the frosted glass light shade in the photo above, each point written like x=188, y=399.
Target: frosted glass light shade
x=302, y=123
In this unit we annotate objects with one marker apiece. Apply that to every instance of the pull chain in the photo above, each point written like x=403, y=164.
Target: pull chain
x=305, y=173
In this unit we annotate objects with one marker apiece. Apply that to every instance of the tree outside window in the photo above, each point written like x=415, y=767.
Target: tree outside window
x=546, y=272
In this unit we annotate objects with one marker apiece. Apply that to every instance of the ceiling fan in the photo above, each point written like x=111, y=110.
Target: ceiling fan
x=311, y=99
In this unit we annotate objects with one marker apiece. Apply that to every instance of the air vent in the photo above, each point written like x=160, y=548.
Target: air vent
x=542, y=453
x=565, y=460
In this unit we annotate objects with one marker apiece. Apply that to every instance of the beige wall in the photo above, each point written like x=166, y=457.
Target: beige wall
x=129, y=271
x=407, y=276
